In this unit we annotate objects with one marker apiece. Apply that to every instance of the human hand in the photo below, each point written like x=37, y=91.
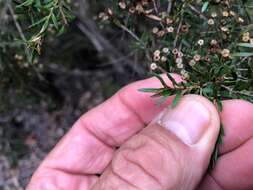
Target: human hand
x=151, y=158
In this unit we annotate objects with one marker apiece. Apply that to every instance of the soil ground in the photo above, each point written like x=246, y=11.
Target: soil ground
x=34, y=130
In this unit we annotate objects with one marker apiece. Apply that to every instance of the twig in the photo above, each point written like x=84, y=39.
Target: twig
x=103, y=46
x=131, y=33
x=198, y=12
x=20, y=31
x=232, y=91
x=4, y=10
x=177, y=35
x=16, y=23
x=169, y=6
x=155, y=6
x=94, y=39
x=63, y=15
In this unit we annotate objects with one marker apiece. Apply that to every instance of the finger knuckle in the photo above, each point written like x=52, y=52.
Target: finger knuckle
x=151, y=159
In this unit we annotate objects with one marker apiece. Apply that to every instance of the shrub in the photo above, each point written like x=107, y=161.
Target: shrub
x=208, y=42
x=24, y=26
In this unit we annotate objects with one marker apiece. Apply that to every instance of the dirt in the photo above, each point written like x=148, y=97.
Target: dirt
x=33, y=130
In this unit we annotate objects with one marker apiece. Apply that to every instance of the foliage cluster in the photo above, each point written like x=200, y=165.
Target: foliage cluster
x=24, y=26
x=208, y=42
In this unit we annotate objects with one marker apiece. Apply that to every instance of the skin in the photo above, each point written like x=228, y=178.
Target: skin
x=91, y=144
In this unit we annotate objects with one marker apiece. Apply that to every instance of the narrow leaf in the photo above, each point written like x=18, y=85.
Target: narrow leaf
x=150, y=90
x=161, y=80
x=172, y=80
x=205, y=6
x=177, y=99
x=248, y=45
x=219, y=105
x=242, y=54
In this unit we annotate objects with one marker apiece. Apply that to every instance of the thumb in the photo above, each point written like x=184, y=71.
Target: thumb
x=172, y=153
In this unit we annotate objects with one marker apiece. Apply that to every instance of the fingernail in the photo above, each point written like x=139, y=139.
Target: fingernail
x=188, y=121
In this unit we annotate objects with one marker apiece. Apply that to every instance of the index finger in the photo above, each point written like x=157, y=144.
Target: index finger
x=88, y=147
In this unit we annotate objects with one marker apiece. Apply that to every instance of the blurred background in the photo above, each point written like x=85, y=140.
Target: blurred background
x=77, y=70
